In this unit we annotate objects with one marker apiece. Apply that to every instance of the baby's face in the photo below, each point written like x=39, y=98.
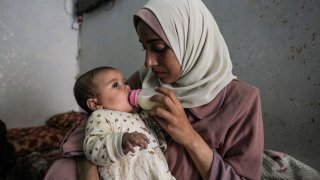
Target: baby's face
x=113, y=92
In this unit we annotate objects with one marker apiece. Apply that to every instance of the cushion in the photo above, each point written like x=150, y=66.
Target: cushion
x=67, y=120
x=43, y=138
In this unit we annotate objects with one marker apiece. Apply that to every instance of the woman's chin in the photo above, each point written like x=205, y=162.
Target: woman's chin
x=166, y=80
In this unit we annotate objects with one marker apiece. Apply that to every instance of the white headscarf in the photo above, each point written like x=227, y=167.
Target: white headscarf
x=195, y=38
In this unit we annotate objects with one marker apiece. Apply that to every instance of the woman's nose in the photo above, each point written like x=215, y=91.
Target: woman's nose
x=150, y=60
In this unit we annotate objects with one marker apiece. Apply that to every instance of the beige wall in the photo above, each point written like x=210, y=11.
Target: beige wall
x=38, y=63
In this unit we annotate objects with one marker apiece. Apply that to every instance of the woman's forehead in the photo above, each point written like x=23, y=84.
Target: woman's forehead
x=147, y=17
x=146, y=34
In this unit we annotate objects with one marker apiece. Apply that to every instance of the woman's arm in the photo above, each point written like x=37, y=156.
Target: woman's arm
x=240, y=154
x=201, y=154
x=86, y=170
x=174, y=120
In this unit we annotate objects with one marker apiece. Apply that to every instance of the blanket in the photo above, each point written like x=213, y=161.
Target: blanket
x=281, y=166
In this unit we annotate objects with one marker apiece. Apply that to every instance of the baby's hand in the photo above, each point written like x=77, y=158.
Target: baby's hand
x=131, y=140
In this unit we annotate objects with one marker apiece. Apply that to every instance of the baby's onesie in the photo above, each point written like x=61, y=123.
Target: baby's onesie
x=102, y=146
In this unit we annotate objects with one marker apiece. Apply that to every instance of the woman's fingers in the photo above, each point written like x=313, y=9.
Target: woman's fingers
x=172, y=117
x=169, y=100
x=167, y=93
x=162, y=116
x=172, y=106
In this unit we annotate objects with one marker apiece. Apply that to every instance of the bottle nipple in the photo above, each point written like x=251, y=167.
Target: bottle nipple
x=133, y=97
x=141, y=98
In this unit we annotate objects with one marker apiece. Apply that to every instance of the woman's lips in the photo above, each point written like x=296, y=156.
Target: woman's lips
x=159, y=73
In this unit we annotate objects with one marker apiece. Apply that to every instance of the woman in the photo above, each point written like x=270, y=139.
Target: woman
x=214, y=120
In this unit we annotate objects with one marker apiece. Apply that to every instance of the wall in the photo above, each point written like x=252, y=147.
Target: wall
x=38, y=63
x=109, y=39
x=273, y=45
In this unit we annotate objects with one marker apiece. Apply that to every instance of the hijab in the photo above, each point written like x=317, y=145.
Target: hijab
x=190, y=30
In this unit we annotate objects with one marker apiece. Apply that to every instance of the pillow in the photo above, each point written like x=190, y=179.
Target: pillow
x=40, y=139
x=67, y=120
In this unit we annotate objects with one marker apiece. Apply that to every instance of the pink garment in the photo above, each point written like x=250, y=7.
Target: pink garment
x=72, y=145
x=231, y=125
x=62, y=169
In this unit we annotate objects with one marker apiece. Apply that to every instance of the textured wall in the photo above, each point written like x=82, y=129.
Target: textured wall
x=37, y=61
x=109, y=39
x=274, y=45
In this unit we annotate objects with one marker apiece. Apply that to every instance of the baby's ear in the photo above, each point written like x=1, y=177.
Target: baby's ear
x=93, y=104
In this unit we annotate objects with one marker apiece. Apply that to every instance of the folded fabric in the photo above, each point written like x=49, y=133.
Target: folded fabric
x=277, y=165
x=72, y=144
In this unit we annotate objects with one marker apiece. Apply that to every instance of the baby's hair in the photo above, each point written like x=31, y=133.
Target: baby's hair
x=84, y=87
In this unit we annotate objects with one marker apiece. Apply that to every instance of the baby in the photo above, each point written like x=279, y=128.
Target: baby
x=123, y=143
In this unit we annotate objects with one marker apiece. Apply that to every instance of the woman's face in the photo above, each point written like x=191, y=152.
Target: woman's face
x=159, y=56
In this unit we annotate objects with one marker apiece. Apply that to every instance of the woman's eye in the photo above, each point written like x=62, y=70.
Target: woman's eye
x=115, y=85
x=159, y=47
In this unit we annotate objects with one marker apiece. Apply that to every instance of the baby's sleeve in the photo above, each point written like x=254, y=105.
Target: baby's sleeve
x=102, y=144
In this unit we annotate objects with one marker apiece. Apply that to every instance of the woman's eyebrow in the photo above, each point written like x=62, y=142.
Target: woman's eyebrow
x=151, y=40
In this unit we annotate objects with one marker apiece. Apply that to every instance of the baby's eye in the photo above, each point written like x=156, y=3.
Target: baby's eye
x=115, y=85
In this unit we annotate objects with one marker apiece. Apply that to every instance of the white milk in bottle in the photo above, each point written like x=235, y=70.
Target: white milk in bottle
x=141, y=98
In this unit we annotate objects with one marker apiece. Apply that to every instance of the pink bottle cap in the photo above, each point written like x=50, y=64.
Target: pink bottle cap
x=133, y=97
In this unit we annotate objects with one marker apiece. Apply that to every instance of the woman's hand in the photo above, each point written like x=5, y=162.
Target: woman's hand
x=173, y=117
x=131, y=140
x=174, y=120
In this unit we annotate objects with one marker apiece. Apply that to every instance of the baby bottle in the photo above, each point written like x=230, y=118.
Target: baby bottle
x=141, y=98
